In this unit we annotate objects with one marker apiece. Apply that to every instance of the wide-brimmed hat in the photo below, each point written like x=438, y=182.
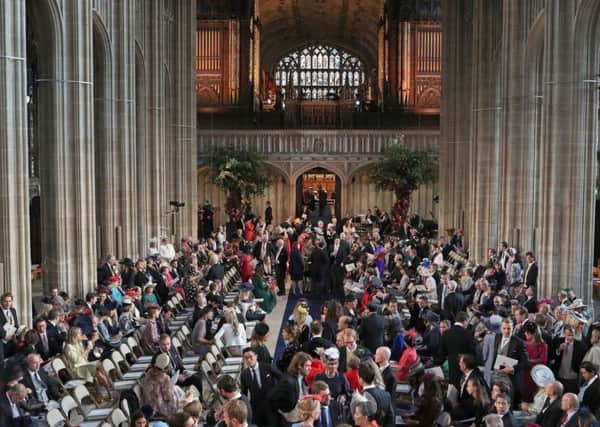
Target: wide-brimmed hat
x=576, y=304
x=541, y=375
x=423, y=271
x=148, y=285
x=331, y=355
x=162, y=361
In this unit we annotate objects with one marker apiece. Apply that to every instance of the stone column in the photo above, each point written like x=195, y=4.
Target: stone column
x=124, y=129
x=454, y=156
x=564, y=257
x=185, y=113
x=15, y=257
x=485, y=128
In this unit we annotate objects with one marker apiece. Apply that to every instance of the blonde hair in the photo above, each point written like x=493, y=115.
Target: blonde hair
x=72, y=334
x=308, y=408
x=231, y=318
x=595, y=338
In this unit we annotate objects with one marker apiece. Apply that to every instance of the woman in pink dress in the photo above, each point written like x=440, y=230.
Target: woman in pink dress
x=538, y=354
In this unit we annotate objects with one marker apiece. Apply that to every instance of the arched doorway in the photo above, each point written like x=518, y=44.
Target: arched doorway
x=318, y=193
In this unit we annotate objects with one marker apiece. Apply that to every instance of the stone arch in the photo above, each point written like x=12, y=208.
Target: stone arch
x=279, y=169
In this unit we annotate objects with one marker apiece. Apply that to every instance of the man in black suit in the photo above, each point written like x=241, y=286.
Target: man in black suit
x=567, y=358
x=45, y=347
x=255, y=380
x=280, y=260
x=268, y=213
x=385, y=411
x=228, y=389
x=351, y=347
x=162, y=322
x=107, y=269
x=590, y=390
x=551, y=412
x=371, y=329
x=8, y=316
x=43, y=387
x=456, y=341
x=454, y=301
x=185, y=378
x=502, y=405
x=531, y=272
x=531, y=302
x=292, y=386
x=11, y=413
x=216, y=270
x=382, y=358
x=319, y=268
x=316, y=340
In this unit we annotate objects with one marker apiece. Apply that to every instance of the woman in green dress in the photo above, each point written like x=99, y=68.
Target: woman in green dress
x=261, y=289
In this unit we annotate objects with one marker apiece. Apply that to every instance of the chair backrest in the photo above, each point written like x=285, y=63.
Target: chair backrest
x=117, y=417
x=124, y=349
x=109, y=366
x=67, y=404
x=210, y=359
x=125, y=407
x=137, y=389
x=119, y=361
x=54, y=417
x=186, y=331
x=134, y=345
x=81, y=393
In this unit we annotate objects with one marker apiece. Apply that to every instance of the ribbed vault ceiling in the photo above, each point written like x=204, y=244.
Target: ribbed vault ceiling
x=348, y=24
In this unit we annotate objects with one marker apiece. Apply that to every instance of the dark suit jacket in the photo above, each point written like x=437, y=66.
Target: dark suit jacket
x=578, y=354
x=573, y=422
x=217, y=271
x=4, y=320
x=281, y=262
x=258, y=247
x=312, y=344
x=371, y=331
x=509, y=420
x=516, y=350
x=385, y=410
x=389, y=379
x=531, y=305
x=268, y=379
x=530, y=277
x=6, y=419
x=591, y=397
x=53, y=387
x=335, y=413
x=343, y=252
x=454, y=303
x=551, y=416
x=284, y=396
x=268, y=215
x=455, y=341
x=104, y=272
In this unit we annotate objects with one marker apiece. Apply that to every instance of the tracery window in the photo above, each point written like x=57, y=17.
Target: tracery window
x=318, y=72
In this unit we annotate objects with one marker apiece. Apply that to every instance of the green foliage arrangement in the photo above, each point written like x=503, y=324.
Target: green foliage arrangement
x=243, y=174
x=402, y=170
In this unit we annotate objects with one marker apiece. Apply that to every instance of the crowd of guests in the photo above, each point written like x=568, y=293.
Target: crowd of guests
x=408, y=331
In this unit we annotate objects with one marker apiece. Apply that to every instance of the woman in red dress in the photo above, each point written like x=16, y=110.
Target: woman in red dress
x=538, y=354
x=249, y=228
x=409, y=357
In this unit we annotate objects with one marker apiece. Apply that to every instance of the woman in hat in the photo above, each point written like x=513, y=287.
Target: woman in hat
x=258, y=343
x=149, y=298
x=151, y=336
x=158, y=391
x=537, y=350
x=233, y=333
x=261, y=289
x=541, y=375
x=337, y=382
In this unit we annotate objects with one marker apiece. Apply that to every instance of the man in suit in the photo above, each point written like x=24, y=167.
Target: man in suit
x=290, y=389
x=268, y=213
x=331, y=412
x=280, y=262
x=8, y=316
x=454, y=302
x=235, y=414
x=551, y=412
x=456, y=341
x=385, y=412
x=316, y=340
x=319, y=268
x=567, y=358
x=382, y=358
x=502, y=405
x=43, y=387
x=45, y=348
x=570, y=406
x=228, y=389
x=186, y=378
x=263, y=249
x=351, y=347
x=506, y=344
x=107, y=269
x=216, y=270
x=162, y=322
x=531, y=302
x=531, y=272
x=589, y=392
x=11, y=413
x=255, y=380
x=371, y=329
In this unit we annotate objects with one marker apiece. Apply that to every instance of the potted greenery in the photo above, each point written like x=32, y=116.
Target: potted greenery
x=243, y=174
x=402, y=170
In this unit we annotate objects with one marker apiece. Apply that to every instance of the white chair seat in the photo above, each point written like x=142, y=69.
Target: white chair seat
x=123, y=385
x=139, y=367
x=191, y=359
x=89, y=424
x=132, y=376
x=230, y=369
x=189, y=366
x=144, y=359
x=98, y=414
x=234, y=360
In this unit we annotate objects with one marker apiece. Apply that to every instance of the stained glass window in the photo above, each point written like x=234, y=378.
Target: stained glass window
x=319, y=72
